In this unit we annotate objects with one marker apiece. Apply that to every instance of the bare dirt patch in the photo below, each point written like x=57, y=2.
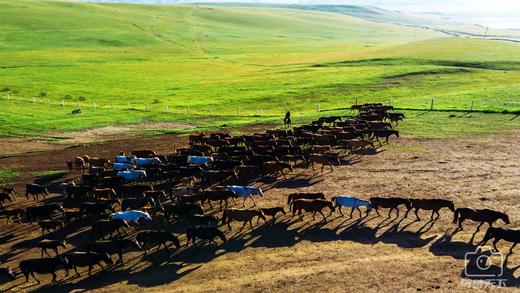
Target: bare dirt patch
x=341, y=255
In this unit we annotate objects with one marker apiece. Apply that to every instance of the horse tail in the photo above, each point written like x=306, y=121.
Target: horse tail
x=456, y=215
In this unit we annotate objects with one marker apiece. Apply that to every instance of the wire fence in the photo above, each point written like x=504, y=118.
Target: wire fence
x=509, y=105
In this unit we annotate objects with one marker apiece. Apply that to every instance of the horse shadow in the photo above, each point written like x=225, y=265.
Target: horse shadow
x=487, y=266
x=278, y=235
x=357, y=232
x=444, y=246
x=404, y=239
x=296, y=183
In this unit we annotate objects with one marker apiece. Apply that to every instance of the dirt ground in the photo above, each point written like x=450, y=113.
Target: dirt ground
x=368, y=254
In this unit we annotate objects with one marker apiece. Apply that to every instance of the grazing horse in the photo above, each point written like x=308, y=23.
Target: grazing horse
x=391, y=203
x=86, y=259
x=272, y=212
x=314, y=206
x=42, y=266
x=35, y=190
x=149, y=238
x=433, y=205
x=323, y=160
x=351, y=202
x=245, y=216
x=204, y=233
x=478, y=215
x=114, y=246
x=500, y=233
x=51, y=244
x=245, y=192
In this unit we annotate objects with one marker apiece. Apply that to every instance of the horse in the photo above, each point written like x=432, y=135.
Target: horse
x=272, y=212
x=114, y=246
x=132, y=216
x=136, y=203
x=384, y=133
x=150, y=238
x=245, y=216
x=478, y=215
x=41, y=211
x=198, y=220
x=199, y=160
x=132, y=176
x=51, y=244
x=222, y=195
x=276, y=168
x=245, y=192
x=352, y=202
x=13, y=213
x=304, y=195
x=392, y=203
x=42, y=266
x=323, y=160
x=182, y=210
x=4, y=197
x=123, y=166
x=107, y=227
x=314, y=206
x=86, y=259
x=204, y=233
x=433, y=205
x=501, y=233
x=35, y=190
x=48, y=225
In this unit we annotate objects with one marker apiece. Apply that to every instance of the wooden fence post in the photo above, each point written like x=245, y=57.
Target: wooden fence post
x=431, y=107
x=472, y=104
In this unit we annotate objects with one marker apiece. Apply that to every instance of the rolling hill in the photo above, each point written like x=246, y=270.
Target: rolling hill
x=228, y=64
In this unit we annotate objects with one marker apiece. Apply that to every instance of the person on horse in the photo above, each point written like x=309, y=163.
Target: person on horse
x=287, y=119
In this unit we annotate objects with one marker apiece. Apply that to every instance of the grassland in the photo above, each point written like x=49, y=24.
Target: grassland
x=229, y=65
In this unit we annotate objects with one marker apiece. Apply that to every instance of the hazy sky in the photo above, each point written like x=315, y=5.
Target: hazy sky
x=451, y=6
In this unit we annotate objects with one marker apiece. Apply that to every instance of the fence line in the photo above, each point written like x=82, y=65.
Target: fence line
x=432, y=104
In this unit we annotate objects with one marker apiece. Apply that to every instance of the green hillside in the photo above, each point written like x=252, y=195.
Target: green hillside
x=215, y=59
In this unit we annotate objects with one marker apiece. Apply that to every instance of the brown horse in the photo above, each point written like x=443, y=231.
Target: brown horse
x=245, y=216
x=478, y=215
x=51, y=244
x=323, y=160
x=433, y=205
x=500, y=233
x=272, y=212
x=276, y=168
x=314, y=206
x=391, y=203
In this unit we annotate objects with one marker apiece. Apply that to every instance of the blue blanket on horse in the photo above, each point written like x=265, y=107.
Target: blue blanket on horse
x=245, y=191
x=199, y=160
x=122, y=166
x=131, y=216
x=352, y=202
x=125, y=159
x=131, y=176
x=141, y=162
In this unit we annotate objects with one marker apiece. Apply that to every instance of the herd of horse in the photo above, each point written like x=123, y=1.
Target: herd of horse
x=128, y=191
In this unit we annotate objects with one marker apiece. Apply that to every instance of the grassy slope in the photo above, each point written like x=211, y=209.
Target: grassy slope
x=223, y=57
